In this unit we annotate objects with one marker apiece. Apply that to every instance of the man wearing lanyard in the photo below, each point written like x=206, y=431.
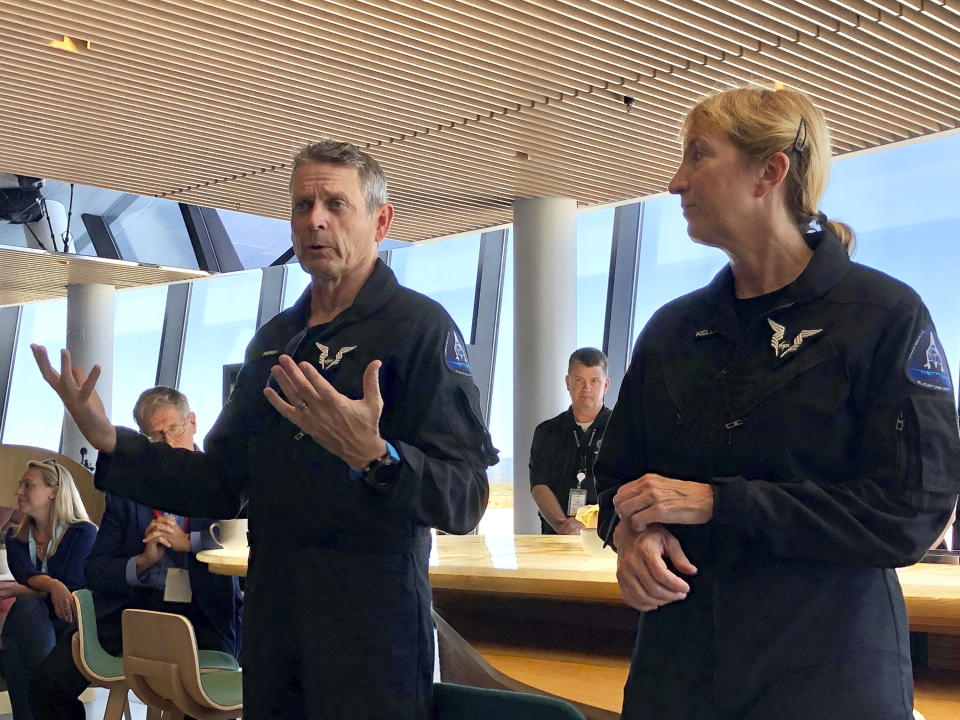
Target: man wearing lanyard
x=565, y=447
x=143, y=558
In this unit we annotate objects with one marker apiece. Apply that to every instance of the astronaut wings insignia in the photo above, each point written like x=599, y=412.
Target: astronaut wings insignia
x=780, y=348
x=325, y=362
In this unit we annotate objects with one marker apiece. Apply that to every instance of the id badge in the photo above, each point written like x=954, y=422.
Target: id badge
x=578, y=498
x=177, y=586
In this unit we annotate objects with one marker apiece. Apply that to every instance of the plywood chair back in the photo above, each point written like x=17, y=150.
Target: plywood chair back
x=98, y=666
x=13, y=460
x=162, y=668
x=461, y=664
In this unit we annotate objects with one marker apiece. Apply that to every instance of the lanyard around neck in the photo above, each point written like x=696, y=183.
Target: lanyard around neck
x=582, y=471
x=33, y=547
x=576, y=439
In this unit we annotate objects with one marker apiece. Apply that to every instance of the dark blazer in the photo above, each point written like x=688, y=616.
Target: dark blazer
x=120, y=537
x=65, y=565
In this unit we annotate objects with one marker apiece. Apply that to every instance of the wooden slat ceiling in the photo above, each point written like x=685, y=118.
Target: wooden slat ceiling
x=34, y=275
x=467, y=105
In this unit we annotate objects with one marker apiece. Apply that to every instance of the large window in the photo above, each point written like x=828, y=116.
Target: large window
x=594, y=240
x=220, y=323
x=446, y=271
x=902, y=204
x=153, y=231
x=258, y=240
x=498, y=520
x=138, y=323
x=671, y=264
x=294, y=284
x=34, y=411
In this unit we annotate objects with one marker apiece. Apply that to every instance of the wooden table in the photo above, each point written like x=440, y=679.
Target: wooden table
x=556, y=567
x=515, y=578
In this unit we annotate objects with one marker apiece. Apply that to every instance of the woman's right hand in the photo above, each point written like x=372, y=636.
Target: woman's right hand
x=62, y=600
x=646, y=582
x=10, y=588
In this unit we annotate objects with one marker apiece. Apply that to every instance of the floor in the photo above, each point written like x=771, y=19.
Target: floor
x=98, y=704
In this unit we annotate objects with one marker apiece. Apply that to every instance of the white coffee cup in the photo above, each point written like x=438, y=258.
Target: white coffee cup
x=230, y=534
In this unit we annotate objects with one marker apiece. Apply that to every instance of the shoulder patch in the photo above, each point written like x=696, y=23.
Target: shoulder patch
x=926, y=365
x=455, y=353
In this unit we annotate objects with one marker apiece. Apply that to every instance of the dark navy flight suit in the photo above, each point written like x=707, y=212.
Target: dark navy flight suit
x=828, y=431
x=337, y=608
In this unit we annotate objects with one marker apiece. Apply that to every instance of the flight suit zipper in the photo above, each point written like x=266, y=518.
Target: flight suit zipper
x=722, y=375
x=733, y=424
x=898, y=427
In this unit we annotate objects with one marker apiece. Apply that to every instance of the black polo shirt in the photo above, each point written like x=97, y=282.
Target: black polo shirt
x=555, y=458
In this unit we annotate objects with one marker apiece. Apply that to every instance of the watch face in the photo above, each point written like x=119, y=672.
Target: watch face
x=381, y=472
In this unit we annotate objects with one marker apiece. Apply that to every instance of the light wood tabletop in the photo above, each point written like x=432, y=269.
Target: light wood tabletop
x=557, y=567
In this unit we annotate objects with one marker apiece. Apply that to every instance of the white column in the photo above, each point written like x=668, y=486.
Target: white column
x=90, y=342
x=544, y=329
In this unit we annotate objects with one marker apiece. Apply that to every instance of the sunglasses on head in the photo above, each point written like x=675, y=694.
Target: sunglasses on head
x=56, y=466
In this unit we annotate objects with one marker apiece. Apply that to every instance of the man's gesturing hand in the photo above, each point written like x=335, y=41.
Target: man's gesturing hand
x=646, y=582
x=350, y=429
x=80, y=398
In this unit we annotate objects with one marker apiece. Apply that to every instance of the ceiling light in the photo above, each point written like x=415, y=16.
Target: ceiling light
x=71, y=44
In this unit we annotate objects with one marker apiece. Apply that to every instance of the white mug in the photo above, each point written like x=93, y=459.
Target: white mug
x=232, y=534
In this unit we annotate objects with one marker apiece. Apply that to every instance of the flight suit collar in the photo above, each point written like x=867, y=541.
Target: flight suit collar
x=375, y=293
x=829, y=263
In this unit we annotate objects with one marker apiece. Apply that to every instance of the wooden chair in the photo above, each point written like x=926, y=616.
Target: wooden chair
x=100, y=668
x=162, y=667
x=461, y=664
x=13, y=461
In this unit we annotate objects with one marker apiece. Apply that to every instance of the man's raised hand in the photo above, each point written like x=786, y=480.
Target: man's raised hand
x=77, y=391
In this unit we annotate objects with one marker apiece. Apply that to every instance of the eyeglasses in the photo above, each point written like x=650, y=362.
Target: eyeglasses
x=172, y=432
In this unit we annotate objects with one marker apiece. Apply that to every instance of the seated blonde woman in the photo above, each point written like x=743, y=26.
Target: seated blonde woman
x=45, y=552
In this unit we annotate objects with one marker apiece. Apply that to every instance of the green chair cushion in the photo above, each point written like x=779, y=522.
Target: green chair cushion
x=216, y=660
x=111, y=666
x=224, y=688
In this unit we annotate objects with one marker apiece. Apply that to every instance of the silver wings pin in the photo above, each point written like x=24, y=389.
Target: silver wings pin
x=782, y=349
x=324, y=360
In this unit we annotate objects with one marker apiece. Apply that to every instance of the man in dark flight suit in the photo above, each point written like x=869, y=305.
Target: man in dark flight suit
x=353, y=429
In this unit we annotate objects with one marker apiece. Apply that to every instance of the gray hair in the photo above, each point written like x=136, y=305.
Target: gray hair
x=335, y=152
x=153, y=399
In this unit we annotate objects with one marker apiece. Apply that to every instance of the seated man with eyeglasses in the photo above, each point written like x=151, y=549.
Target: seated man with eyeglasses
x=144, y=559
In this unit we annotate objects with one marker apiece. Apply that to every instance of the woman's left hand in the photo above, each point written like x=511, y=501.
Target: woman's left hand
x=657, y=499
x=62, y=601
